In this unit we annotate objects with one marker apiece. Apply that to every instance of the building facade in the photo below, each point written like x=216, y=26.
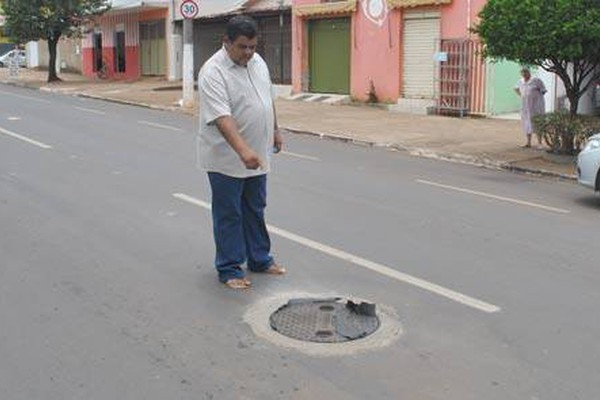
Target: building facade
x=128, y=42
x=417, y=55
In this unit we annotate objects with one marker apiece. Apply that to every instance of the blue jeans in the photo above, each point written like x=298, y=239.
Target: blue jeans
x=239, y=228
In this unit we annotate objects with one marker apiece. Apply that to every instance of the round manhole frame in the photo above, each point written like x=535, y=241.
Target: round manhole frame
x=257, y=317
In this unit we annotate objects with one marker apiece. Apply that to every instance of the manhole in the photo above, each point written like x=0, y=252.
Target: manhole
x=330, y=320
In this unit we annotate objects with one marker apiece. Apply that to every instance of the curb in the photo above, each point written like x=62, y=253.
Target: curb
x=459, y=158
x=128, y=102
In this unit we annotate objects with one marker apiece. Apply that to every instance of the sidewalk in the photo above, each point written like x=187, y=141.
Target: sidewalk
x=479, y=141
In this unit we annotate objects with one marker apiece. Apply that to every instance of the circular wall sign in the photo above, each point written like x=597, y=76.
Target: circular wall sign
x=376, y=11
x=189, y=9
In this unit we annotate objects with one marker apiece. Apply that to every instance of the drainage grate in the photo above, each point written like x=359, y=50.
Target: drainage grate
x=325, y=320
x=303, y=97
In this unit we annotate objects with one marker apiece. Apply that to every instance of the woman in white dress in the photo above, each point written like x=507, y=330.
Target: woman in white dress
x=532, y=92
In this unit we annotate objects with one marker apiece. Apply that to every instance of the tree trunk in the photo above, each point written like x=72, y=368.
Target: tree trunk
x=52, y=44
x=568, y=139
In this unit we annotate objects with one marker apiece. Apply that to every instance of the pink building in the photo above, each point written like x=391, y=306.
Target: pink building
x=410, y=53
x=128, y=42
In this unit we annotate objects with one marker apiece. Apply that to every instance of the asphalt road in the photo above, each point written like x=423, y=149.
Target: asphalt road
x=107, y=289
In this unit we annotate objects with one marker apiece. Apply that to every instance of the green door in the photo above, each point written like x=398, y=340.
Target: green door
x=329, y=55
x=153, y=48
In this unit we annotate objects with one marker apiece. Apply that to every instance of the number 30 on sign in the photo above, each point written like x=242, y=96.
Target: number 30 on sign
x=189, y=9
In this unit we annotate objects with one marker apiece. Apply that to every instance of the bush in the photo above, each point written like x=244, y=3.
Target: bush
x=563, y=132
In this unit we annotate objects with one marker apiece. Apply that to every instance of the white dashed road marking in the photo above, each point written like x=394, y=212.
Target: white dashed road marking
x=89, y=110
x=155, y=125
x=301, y=156
x=24, y=139
x=495, y=197
x=370, y=265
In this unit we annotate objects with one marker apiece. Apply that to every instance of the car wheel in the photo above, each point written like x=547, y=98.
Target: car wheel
x=1, y=64
x=598, y=181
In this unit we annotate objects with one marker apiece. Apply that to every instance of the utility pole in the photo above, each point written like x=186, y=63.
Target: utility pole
x=189, y=10
x=281, y=38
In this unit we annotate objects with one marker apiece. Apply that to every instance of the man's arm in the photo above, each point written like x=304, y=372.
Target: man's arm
x=229, y=129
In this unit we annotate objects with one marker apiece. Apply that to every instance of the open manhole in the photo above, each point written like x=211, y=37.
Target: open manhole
x=332, y=320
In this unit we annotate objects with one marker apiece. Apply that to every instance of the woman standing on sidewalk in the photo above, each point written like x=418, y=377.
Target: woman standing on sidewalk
x=532, y=92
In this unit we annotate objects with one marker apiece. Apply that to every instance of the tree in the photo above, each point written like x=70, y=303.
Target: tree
x=50, y=19
x=560, y=36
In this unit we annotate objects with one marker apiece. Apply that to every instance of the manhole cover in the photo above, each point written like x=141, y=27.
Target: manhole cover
x=325, y=320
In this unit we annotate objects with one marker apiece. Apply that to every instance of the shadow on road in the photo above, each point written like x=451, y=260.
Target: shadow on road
x=592, y=201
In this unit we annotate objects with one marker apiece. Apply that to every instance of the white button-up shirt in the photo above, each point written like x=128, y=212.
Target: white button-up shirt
x=244, y=93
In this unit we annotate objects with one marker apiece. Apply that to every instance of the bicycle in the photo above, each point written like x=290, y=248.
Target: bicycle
x=104, y=72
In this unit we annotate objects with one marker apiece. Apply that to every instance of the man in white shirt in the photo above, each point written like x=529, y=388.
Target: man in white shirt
x=532, y=92
x=238, y=134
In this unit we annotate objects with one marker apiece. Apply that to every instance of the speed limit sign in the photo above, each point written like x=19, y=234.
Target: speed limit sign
x=189, y=9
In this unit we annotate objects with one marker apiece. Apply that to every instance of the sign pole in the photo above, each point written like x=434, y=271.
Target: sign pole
x=189, y=9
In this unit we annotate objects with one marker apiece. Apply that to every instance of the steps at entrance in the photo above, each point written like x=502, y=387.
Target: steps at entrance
x=325, y=98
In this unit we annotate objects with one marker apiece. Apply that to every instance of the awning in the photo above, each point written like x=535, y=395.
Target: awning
x=416, y=3
x=118, y=5
x=338, y=7
x=268, y=5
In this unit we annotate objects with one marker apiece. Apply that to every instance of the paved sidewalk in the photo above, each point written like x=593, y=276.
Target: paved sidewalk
x=480, y=141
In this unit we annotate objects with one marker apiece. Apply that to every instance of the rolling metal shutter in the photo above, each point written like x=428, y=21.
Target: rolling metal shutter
x=421, y=38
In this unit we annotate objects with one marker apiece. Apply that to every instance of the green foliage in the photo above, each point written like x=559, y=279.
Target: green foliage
x=49, y=19
x=561, y=130
x=560, y=36
x=533, y=31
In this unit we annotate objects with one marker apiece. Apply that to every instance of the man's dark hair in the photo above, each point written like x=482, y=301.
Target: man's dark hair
x=241, y=25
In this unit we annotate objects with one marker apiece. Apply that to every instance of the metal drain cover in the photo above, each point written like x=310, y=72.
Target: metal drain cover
x=330, y=320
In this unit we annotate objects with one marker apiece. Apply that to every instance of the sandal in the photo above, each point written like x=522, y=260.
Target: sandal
x=238, y=283
x=275, y=269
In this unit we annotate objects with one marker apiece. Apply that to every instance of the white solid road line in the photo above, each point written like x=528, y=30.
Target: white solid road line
x=90, y=110
x=26, y=97
x=25, y=139
x=155, y=125
x=302, y=156
x=495, y=197
x=370, y=265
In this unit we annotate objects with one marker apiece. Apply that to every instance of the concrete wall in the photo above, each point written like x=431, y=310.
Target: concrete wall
x=69, y=55
x=501, y=80
x=459, y=16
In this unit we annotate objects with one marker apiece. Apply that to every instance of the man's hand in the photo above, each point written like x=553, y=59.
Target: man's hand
x=251, y=160
x=278, y=141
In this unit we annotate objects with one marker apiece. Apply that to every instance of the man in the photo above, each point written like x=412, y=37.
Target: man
x=238, y=134
x=532, y=92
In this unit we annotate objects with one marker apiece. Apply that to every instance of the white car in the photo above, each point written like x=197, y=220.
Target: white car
x=20, y=56
x=588, y=163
